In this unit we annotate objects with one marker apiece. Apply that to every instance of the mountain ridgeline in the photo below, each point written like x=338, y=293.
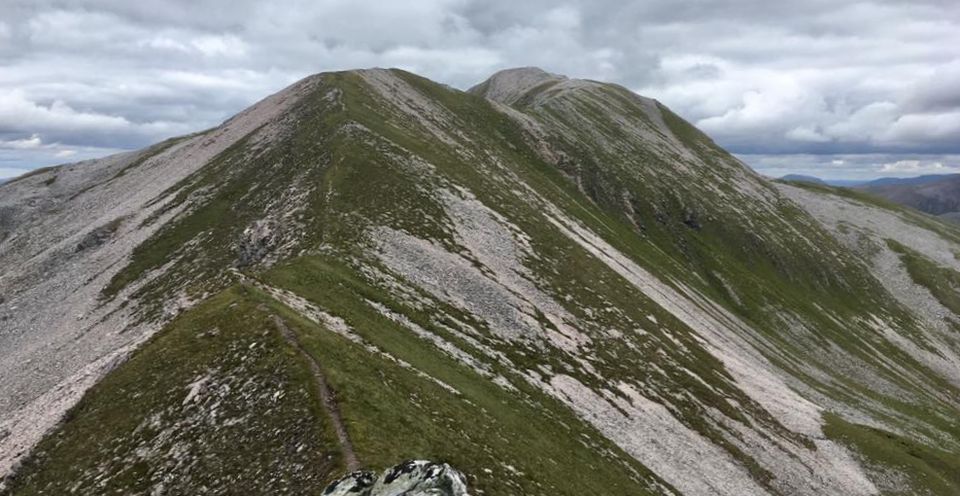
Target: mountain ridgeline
x=934, y=194
x=554, y=285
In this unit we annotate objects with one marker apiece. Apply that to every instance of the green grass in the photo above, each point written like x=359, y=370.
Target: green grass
x=394, y=414
x=534, y=423
x=259, y=431
x=943, y=283
x=922, y=469
x=508, y=443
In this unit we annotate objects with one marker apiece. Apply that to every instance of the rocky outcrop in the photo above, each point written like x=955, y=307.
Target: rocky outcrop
x=410, y=478
x=99, y=236
x=257, y=241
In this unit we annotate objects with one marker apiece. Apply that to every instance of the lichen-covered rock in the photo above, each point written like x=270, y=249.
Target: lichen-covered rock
x=410, y=478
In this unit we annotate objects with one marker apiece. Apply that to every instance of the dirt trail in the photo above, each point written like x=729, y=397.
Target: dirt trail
x=326, y=396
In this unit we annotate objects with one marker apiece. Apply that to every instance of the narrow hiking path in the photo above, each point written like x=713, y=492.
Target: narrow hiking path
x=326, y=396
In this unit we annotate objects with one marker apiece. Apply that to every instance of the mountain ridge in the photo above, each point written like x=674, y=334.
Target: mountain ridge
x=937, y=195
x=567, y=251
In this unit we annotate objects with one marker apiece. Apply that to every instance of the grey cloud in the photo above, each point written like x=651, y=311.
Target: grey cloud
x=810, y=79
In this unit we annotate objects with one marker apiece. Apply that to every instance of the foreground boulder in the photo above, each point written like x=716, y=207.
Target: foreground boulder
x=410, y=478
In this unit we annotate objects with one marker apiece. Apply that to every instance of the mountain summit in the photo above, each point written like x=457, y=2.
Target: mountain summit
x=509, y=85
x=544, y=285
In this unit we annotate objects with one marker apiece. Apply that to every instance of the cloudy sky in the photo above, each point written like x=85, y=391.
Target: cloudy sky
x=836, y=88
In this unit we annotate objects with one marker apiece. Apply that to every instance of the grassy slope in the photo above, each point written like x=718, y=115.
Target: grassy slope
x=773, y=263
x=395, y=414
x=943, y=283
x=566, y=269
x=507, y=443
x=766, y=262
x=922, y=469
x=242, y=434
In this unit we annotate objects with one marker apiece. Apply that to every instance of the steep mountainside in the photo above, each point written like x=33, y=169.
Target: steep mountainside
x=554, y=285
x=937, y=195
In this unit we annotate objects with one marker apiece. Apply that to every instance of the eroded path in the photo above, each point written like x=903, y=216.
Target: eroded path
x=326, y=396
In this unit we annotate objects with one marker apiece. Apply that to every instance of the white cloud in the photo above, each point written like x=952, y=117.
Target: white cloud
x=806, y=133
x=220, y=46
x=919, y=167
x=864, y=123
x=23, y=143
x=564, y=17
x=853, y=166
x=16, y=110
x=923, y=127
x=163, y=42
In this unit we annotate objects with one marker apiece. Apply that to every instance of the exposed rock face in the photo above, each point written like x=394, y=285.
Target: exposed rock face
x=410, y=478
x=257, y=241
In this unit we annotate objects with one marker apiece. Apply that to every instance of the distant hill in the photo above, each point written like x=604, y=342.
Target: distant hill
x=846, y=183
x=802, y=179
x=934, y=194
x=909, y=181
